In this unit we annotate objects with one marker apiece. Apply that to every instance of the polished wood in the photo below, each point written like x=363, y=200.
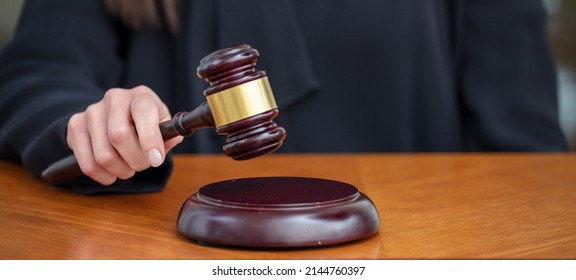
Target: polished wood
x=278, y=212
x=431, y=206
x=247, y=138
x=253, y=136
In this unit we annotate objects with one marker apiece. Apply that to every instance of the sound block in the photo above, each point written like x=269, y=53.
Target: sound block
x=278, y=212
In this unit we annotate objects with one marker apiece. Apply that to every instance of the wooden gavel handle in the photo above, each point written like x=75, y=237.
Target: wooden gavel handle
x=183, y=124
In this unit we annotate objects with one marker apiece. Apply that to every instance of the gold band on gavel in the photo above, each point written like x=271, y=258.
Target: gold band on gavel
x=242, y=101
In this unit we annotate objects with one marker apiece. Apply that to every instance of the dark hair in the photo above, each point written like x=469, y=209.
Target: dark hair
x=139, y=13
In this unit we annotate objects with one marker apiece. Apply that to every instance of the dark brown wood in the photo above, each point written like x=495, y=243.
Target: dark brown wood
x=253, y=136
x=431, y=206
x=248, y=138
x=275, y=212
x=186, y=123
x=229, y=67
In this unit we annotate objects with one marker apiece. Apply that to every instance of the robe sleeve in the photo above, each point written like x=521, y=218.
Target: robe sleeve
x=63, y=56
x=508, y=78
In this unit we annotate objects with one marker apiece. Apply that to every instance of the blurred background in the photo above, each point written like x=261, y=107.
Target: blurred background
x=562, y=32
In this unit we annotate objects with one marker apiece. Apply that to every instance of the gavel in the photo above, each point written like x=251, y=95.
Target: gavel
x=240, y=104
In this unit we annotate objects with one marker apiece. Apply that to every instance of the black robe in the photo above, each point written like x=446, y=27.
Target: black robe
x=348, y=75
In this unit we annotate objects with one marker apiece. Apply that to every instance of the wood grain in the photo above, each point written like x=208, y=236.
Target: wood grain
x=431, y=206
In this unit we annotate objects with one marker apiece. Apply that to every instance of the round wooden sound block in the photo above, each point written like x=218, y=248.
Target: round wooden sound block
x=278, y=212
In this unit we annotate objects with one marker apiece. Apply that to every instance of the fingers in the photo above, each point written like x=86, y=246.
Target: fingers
x=79, y=140
x=145, y=110
x=168, y=145
x=119, y=135
x=119, y=132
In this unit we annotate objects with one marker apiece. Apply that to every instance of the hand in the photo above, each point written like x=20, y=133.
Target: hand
x=119, y=135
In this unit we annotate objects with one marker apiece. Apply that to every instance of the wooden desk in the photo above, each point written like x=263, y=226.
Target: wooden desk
x=431, y=206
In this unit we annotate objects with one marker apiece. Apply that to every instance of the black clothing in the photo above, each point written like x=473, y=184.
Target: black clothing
x=348, y=76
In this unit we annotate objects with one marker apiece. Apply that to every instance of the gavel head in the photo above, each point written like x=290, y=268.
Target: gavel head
x=241, y=102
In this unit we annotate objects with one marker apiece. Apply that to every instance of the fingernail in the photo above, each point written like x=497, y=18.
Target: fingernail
x=155, y=158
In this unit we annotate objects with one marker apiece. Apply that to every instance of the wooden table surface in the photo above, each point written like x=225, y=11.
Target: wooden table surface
x=431, y=206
